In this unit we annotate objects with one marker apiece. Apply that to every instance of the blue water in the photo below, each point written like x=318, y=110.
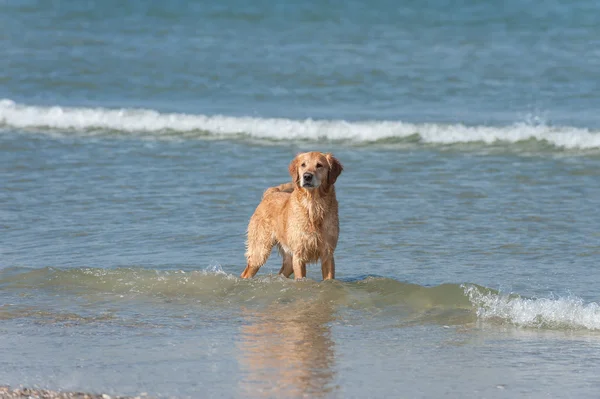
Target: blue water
x=136, y=139
x=474, y=63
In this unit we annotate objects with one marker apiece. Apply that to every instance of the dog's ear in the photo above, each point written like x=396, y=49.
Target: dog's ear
x=335, y=168
x=293, y=168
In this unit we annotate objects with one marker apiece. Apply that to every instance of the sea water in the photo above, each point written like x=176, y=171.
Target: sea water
x=136, y=139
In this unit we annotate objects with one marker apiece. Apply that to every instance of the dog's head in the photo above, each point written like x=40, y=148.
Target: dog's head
x=311, y=170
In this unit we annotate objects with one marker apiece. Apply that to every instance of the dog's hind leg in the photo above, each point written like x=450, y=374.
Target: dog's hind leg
x=288, y=267
x=259, y=246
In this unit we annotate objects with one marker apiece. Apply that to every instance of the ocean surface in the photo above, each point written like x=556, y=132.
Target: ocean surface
x=137, y=137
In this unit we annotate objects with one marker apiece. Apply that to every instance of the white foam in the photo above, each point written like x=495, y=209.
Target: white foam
x=144, y=121
x=566, y=312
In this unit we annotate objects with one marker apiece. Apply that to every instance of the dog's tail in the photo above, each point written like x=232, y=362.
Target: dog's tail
x=282, y=188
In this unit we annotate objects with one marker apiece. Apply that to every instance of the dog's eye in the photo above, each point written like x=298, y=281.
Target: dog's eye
x=319, y=165
x=303, y=164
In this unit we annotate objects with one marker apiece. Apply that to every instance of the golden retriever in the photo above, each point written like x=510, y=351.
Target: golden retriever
x=300, y=217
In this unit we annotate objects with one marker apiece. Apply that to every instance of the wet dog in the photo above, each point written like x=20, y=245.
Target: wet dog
x=300, y=218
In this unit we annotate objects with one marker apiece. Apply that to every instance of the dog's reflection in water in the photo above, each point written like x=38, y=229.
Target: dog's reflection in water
x=286, y=350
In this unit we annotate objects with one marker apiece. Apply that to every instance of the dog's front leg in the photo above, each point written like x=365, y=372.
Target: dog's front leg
x=328, y=267
x=299, y=268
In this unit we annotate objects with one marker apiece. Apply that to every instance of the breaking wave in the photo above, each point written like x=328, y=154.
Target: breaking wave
x=551, y=313
x=132, y=121
x=404, y=303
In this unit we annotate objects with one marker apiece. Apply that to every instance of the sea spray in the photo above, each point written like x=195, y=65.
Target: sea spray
x=552, y=313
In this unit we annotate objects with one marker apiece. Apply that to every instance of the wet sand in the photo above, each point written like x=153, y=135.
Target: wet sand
x=18, y=393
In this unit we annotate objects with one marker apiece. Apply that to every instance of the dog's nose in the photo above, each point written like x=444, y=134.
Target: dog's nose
x=307, y=177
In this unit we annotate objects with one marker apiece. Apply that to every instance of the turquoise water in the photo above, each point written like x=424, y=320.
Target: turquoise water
x=136, y=139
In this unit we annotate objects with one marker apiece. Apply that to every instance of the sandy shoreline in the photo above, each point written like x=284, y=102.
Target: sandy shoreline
x=14, y=393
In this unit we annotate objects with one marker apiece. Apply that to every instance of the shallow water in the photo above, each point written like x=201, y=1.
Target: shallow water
x=134, y=146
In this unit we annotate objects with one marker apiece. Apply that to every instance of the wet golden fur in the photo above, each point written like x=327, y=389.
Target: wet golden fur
x=300, y=217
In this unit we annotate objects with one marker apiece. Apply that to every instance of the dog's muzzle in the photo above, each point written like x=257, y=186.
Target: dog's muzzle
x=308, y=180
